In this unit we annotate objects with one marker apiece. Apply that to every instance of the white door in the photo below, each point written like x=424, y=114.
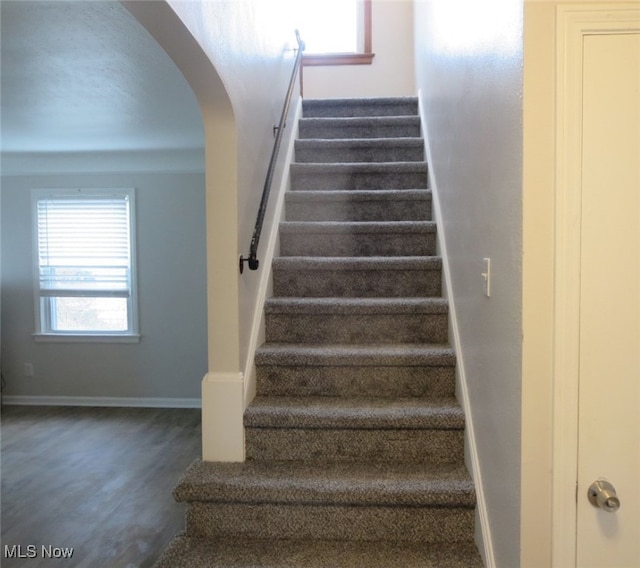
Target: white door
x=609, y=328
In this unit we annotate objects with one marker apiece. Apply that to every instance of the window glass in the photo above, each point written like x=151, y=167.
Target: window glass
x=329, y=26
x=335, y=32
x=88, y=314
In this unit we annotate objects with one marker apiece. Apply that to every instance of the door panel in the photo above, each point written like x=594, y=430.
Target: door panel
x=609, y=394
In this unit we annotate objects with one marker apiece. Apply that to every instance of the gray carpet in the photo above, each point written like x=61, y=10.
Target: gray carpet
x=354, y=442
x=206, y=553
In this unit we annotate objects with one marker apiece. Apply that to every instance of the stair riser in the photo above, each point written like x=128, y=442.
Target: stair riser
x=419, y=210
x=189, y=552
x=383, y=382
x=333, y=132
x=321, y=445
x=356, y=283
x=338, y=328
x=318, y=154
x=315, y=522
x=301, y=181
x=358, y=244
x=326, y=110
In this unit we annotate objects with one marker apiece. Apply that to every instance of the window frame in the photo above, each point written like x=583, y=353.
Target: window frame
x=358, y=58
x=43, y=303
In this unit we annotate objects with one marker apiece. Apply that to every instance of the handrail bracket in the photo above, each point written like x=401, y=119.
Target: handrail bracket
x=252, y=261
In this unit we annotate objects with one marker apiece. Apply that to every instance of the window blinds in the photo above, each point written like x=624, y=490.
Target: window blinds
x=84, y=246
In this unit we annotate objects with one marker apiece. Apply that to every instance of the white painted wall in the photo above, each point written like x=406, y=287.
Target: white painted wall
x=390, y=74
x=171, y=357
x=469, y=75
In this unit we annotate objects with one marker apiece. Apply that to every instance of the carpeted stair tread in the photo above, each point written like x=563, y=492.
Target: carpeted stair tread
x=358, y=227
x=352, y=276
x=409, y=149
x=373, y=355
x=337, y=522
x=359, y=176
x=435, y=382
x=359, y=484
x=308, y=321
x=359, y=127
x=337, y=143
x=358, y=195
x=192, y=552
x=356, y=370
x=361, y=106
x=357, y=167
x=359, y=205
x=356, y=306
x=352, y=122
x=364, y=263
x=357, y=238
x=353, y=413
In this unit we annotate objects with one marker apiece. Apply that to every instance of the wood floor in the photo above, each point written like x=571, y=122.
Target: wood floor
x=98, y=480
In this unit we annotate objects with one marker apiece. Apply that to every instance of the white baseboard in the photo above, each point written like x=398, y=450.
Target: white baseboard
x=111, y=401
x=486, y=544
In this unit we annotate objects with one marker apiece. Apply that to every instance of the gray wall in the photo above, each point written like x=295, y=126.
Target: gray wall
x=171, y=358
x=469, y=74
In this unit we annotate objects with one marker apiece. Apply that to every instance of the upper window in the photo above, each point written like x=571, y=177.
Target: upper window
x=84, y=263
x=336, y=32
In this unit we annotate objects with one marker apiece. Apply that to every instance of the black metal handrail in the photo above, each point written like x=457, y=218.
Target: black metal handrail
x=252, y=259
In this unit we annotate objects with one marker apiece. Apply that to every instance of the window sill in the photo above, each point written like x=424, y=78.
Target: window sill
x=337, y=59
x=84, y=338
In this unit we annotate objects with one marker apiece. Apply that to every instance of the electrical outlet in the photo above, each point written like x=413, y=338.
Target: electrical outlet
x=486, y=274
x=28, y=370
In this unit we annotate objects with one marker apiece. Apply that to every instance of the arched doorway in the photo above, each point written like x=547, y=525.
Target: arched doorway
x=223, y=394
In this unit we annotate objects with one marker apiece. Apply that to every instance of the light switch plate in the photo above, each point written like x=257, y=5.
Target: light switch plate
x=486, y=275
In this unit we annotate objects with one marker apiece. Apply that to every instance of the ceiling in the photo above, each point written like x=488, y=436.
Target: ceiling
x=85, y=76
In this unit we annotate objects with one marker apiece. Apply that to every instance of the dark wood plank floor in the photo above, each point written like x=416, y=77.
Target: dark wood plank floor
x=98, y=480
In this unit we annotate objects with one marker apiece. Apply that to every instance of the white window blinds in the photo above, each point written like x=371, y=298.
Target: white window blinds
x=84, y=245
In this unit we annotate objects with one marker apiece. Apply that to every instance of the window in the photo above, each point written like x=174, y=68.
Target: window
x=84, y=264
x=336, y=32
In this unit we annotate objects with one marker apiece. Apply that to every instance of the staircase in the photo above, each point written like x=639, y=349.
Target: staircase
x=355, y=441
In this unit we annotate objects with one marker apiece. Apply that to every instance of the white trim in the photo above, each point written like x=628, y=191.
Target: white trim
x=566, y=312
x=573, y=23
x=101, y=401
x=264, y=286
x=86, y=338
x=222, y=417
x=486, y=549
